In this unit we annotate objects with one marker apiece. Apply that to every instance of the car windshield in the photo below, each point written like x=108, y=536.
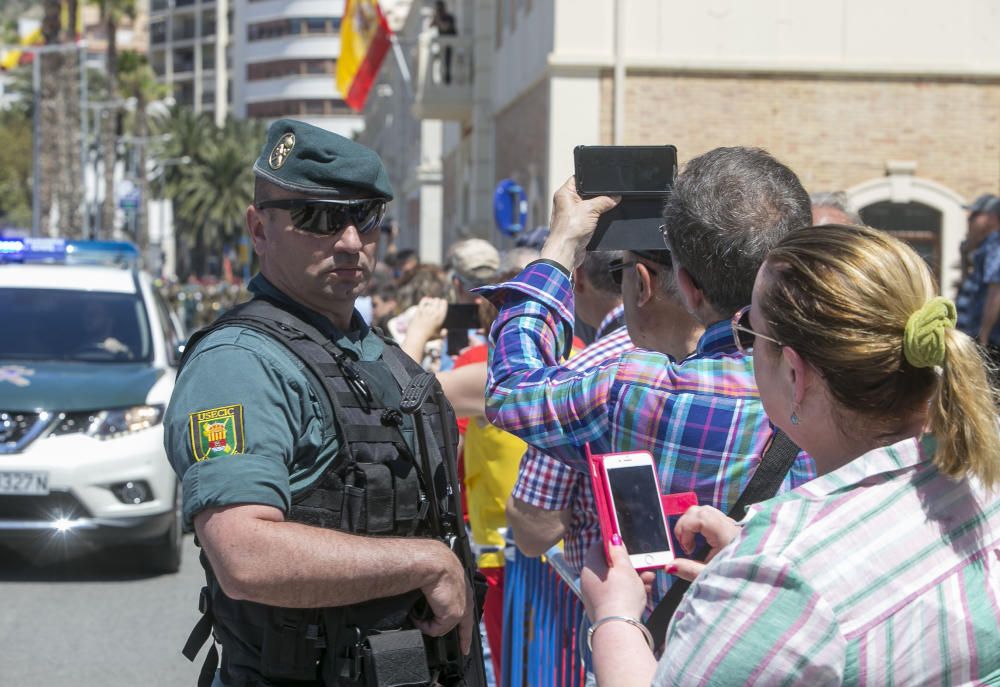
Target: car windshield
x=82, y=326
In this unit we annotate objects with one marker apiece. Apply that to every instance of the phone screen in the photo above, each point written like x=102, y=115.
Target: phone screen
x=638, y=508
x=625, y=169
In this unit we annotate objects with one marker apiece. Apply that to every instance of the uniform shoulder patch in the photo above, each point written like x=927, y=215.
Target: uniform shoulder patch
x=217, y=432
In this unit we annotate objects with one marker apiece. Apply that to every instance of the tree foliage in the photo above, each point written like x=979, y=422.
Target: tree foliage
x=208, y=172
x=15, y=169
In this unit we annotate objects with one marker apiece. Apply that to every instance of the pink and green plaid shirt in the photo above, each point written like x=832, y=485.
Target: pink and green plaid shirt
x=701, y=418
x=882, y=572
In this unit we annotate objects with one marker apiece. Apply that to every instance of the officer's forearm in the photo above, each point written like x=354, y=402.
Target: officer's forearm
x=259, y=557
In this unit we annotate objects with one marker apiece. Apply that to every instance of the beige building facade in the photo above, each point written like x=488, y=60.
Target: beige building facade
x=896, y=102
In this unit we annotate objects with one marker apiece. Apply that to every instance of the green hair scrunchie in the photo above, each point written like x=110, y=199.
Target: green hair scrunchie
x=923, y=338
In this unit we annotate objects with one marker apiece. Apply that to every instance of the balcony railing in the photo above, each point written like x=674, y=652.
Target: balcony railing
x=444, y=77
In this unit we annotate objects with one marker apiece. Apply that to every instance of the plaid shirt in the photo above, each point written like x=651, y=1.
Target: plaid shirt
x=701, y=419
x=882, y=572
x=547, y=483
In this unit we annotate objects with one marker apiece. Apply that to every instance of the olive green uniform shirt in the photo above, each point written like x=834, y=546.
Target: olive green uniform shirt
x=246, y=426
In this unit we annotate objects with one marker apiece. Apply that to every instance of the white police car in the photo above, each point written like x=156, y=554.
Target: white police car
x=88, y=354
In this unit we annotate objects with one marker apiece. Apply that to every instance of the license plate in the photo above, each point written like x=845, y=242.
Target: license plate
x=24, y=483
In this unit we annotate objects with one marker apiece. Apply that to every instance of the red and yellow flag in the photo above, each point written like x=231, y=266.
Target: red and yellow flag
x=365, y=39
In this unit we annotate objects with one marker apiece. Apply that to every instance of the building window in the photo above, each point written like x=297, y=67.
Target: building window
x=184, y=60
x=285, y=68
x=158, y=32
x=302, y=107
x=289, y=27
x=917, y=224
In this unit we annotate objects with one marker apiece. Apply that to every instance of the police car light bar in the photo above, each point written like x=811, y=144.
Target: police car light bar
x=61, y=251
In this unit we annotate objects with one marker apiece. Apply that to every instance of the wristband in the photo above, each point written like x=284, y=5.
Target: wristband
x=625, y=619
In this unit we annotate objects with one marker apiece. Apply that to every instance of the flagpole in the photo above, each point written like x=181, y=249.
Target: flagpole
x=401, y=61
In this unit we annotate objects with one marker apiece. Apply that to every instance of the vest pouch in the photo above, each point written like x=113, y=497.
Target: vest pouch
x=370, y=499
x=379, y=497
x=396, y=659
x=293, y=647
x=353, y=516
x=410, y=504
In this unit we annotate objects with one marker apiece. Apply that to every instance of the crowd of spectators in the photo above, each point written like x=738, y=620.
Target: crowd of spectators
x=768, y=312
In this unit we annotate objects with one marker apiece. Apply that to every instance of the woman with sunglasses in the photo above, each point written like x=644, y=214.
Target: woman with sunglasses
x=886, y=568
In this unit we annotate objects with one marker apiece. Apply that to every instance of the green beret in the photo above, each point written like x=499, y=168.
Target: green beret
x=304, y=158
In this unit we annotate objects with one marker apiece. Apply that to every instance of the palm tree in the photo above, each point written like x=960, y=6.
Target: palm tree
x=112, y=12
x=211, y=192
x=220, y=186
x=61, y=174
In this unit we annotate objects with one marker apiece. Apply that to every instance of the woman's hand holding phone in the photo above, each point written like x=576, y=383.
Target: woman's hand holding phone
x=611, y=590
x=716, y=527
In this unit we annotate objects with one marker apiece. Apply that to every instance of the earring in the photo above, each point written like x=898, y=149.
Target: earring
x=795, y=419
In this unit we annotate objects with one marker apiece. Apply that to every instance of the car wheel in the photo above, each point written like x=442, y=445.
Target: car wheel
x=162, y=555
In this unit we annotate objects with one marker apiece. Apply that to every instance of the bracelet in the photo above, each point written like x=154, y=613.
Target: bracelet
x=631, y=621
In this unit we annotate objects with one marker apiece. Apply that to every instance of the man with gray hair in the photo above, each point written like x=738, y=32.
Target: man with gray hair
x=551, y=501
x=831, y=207
x=700, y=417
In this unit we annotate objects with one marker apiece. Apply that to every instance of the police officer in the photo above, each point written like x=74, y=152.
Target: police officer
x=304, y=483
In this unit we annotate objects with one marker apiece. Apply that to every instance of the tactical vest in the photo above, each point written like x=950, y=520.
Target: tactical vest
x=375, y=485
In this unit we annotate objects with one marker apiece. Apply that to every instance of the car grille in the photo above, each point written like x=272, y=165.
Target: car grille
x=14, y=425
x=53, y=506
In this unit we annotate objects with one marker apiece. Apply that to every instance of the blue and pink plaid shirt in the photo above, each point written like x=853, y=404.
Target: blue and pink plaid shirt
x=701, y=418
x=547, y=483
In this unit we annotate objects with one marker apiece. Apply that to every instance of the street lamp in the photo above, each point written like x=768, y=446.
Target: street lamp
x=162, y=176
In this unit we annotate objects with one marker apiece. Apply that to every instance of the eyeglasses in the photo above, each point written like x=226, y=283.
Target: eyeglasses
x=743, y=335
x=328, y=217
x=618, y=266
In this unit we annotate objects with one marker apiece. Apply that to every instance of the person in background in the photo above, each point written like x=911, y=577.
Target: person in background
x=831, y=207
x=384, y=297
x=977, y=230
x=883, y=570
x=444, y=22
x=978, y=299
x=425, y=281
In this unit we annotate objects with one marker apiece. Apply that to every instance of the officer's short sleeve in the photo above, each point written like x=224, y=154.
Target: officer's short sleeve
x=239, y=413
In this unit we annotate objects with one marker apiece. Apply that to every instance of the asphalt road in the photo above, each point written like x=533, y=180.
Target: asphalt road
x=96, y=621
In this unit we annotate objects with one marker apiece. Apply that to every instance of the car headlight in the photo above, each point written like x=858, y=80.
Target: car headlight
x=108, y=424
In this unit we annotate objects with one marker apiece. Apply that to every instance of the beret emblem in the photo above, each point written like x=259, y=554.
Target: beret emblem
x=281, y=150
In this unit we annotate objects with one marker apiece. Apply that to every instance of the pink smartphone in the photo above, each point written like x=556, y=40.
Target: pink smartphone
x=636, y=508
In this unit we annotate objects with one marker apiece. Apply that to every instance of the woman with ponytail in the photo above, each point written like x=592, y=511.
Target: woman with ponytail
x=886, y=568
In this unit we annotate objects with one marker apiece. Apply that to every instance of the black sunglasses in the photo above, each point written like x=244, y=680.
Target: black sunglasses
x=618, y=266
x=328, y=217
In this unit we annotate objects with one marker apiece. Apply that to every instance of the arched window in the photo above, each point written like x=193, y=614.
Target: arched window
x=916, y=223
x=926, y=214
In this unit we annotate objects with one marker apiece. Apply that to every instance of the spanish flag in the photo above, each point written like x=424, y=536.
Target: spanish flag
x=365, y=38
